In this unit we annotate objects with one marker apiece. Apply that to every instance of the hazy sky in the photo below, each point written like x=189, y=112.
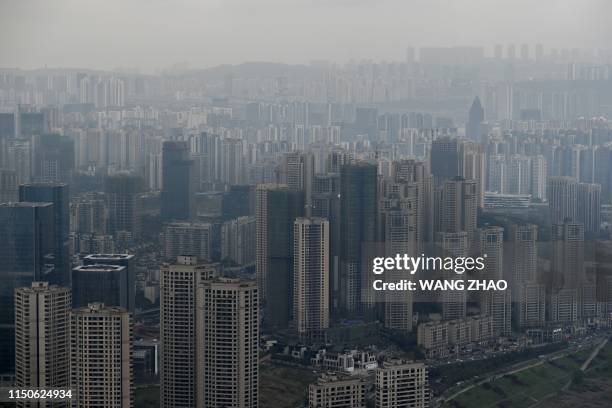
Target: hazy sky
x=154, y=34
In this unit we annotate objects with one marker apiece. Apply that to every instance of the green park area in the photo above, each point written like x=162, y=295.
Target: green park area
x=543, y=385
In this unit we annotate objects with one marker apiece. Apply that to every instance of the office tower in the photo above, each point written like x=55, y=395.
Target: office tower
x=446, y=159
x=589, y=206
x=297, y=172
x=562, y=193
x=58, y=194
x=108, y=284
x=539, y=177
x=402, y=384
x=8, y=186
x=474, y=126
x=358, y=214
x=183, y=238
x=27, y=236
x=518, y=174
x=42, y=338
x=239, y=201
x=238, y=241
x=457, y=207
x=177, y=197
x=337, y=391
x=105, y=278
x=455, y=245
x=227, y=340
x=277, y=207
x=311, y=276
x=496, y=304
x=177, y=288
x=124, y=204
x=53, y=159
x=101, y=357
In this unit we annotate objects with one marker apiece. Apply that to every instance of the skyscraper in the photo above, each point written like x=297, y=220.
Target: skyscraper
x=589, y=206
x=562, y=196
x=455, y=245
x=359, y=208
x=445, y=159
x=496, y=304
x=227, y=344
x=177, y=197
x=178, y=283
x=124, y=204
x=457, y=207
x=8, y=185
x=277, y=207
x=311, y=276
x=101, y=357
x=58, y=194
x=26, y=253
x=127, y=284
x=402, y=384
x=108, y=284
x=473, y=128
x=42, y=337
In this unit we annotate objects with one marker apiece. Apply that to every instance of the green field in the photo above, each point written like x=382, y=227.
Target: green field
x=283, y=387
x=525, y=388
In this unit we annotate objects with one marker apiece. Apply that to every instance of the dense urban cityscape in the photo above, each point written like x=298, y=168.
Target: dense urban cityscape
x=220, y=237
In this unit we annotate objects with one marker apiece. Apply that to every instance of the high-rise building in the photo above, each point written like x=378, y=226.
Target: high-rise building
x=445, y=159
x=524, y=252
x=562, y=196
x=277, y=207
x=178, y=283
x=402, y=384
x=183, y=238
x=58, y=194
x=311, y=276
x=337, y=391
x=8, y=186
x=7, y=125
x=238, y=240
x=496, y=304
x=589, y=206
x=567, y=257
x=124, y=204
x=539, y=177
x=53, y=159
x=177, y=197
x=457, y=207
x=359, y=210
x=127, y=286
x=297, y=172
x=454, y=302
x=227, y=344
x=101, y=357
x=106, y=284
x=474, y=126
x=42, y=338
x=232, y=169
x=26, y=254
